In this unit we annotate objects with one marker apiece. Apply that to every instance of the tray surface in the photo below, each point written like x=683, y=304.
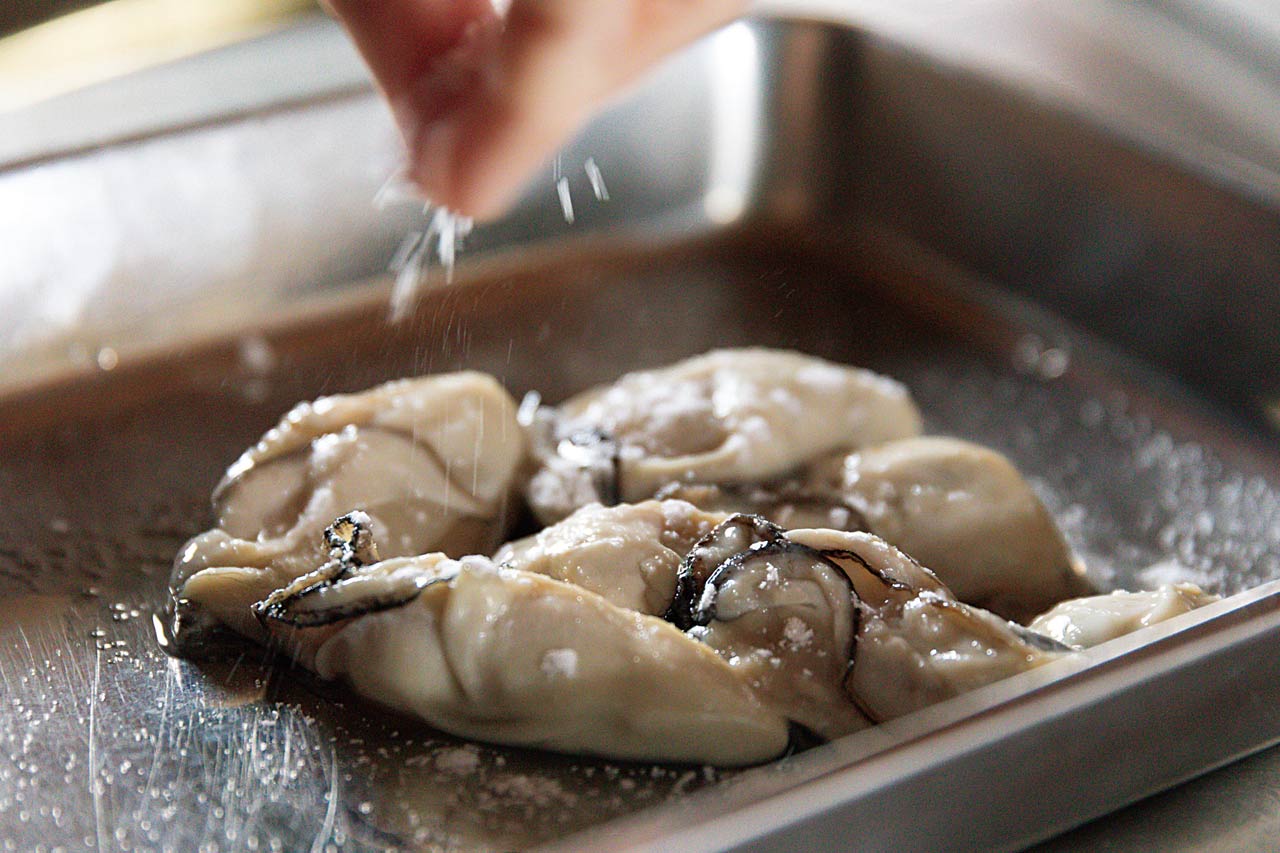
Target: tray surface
x=110, y=740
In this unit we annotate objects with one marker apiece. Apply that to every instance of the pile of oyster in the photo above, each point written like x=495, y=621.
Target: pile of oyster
x=745, y=550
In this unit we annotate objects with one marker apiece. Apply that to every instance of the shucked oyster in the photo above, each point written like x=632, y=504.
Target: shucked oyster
x=514, y=657
x=763, y=632
x=959, y=508
x=838, y=630
x=782, y=615
x=1084, y=622
x=433, y=462
x=729, y=416
x=917, y=644
x=629, y=553
x=964, y=511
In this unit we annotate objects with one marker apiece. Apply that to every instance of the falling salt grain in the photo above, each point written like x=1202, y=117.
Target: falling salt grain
x=596, y=179
x=566, y=200
x=108, y=359
x=256, y=356
x=442, y=238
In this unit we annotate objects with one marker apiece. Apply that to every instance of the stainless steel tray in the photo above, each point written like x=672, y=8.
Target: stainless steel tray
x=1086, y=302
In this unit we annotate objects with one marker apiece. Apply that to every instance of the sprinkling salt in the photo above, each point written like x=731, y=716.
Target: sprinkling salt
x=566, y=200
x=596, y=178
x=442, y=238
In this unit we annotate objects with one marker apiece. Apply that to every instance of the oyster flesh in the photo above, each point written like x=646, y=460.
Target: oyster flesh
x=629, y=553
x=959, y=508
x=916, y=643
x=1085, y=622
x=433, y=462
x=503, y=655
x=728, y=416
x=840, y=630
x=964, y=511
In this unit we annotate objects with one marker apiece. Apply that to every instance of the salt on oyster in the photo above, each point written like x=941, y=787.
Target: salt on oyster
x=729, y=416
x=789, y=503
x=783, y=616
x=514, y=657
x=916, y=643
x=839, y=630
x=964, y=511
x=1084, y=622
x=957, y=507
x=630, y=553
x=432, y=461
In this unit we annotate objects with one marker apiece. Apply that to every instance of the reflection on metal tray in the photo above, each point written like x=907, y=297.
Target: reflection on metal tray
x=809, y=188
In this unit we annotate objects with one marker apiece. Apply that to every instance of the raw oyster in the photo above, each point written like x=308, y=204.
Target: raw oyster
x=515, y=657
x=729, y=416
x=432, y=461
x=838, y=630
x=1084, y=622
x=781, y=615
x=959, y=508
x=916, y=643
x=629, y=553
x=788, y=503
x=964, y=511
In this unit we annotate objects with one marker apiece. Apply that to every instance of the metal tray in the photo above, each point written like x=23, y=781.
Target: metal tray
x=1081, y=300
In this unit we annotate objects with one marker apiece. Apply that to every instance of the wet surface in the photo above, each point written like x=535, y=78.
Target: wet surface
x=107, y=743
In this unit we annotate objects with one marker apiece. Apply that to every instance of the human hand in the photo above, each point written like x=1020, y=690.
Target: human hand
x=483, y=99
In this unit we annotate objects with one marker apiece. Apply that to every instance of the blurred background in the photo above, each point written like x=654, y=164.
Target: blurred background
x=50, y=47
x=1206, y=68
x=86, y=223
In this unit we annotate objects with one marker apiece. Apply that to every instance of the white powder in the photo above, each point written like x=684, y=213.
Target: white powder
x=331, y=449
x=459, y=761
x=798, y=634
x=560, y=663
x=708, y=598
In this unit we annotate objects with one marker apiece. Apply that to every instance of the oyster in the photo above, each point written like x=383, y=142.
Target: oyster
x=838, y=630
x=516, y=657
x=916, y=643
x=964, y=511
x=729, y=416
x=959, y=508
x=433, y=462
x=629, y=553
x=1084, y=622
x=781, y=615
